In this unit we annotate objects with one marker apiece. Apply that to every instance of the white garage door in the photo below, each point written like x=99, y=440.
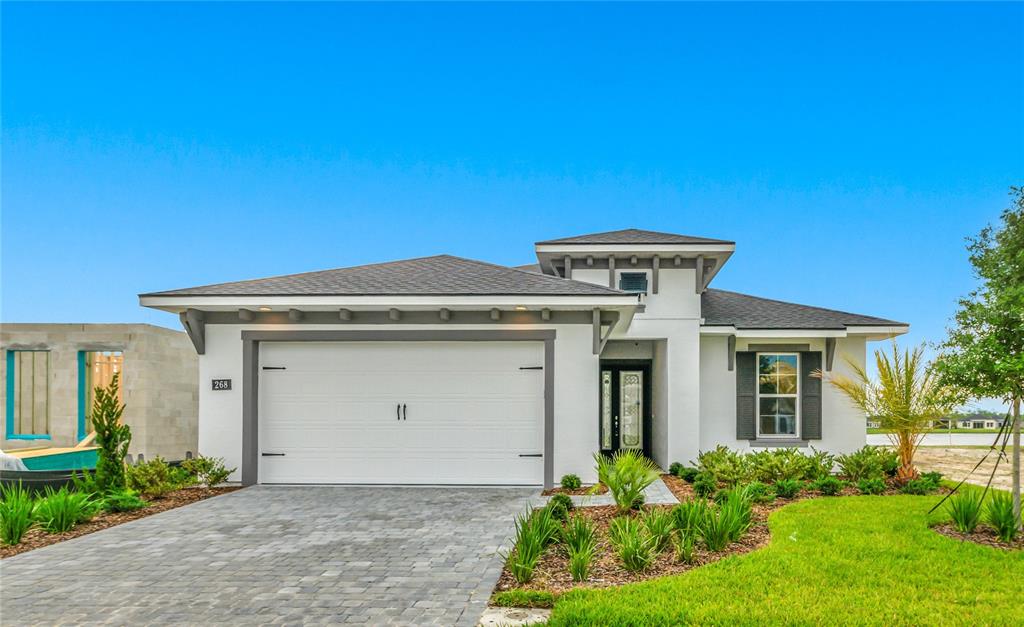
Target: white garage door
x=401, y=412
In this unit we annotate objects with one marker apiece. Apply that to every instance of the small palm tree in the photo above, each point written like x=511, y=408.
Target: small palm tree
x=905, y=399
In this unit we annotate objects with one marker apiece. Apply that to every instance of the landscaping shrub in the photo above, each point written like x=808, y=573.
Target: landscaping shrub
x=758, y=492
x=112, y=437
x=580, y=540
x=890, y=461
x=85, y=481
x=61, y=510
x=571, y=482
x=720, y=527
x=688, y=474
x=871, y=486
x=999, y=514
x=689, y=516
x=819, y=465
x=964, y=508
x=674, y=468
x=919, y=487
x=787, y=488
x=737, y=504
x=126, y=500
x=659, y=524
x=867, y=462
x=684, y=543
x=725, y=465
x=626, y=475
x=535, y=530
x=180, y=477
x=152, y=478
x=577, y=531
x=560, y=506
x=636, y=547
x=523, y=598
x=935, y=478
x=773, y=465
x=209, y=471
x=704, y=484
x=829, y=486
x=16, y=506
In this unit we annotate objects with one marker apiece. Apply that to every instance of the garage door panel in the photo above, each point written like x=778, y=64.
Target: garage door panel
x=471, y=412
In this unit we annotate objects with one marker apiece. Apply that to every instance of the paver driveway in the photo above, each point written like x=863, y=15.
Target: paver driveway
x=277, y=554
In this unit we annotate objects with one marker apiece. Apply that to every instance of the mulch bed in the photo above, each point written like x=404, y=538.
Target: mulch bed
x=552, y=571
x=982, y=535
x=36, y=537
x=580, y=491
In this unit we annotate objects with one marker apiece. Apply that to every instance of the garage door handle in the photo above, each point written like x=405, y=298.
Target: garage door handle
x=531, y=454
x=273, y=367
x=405, y=412
x=272, y=454
x=398, y=411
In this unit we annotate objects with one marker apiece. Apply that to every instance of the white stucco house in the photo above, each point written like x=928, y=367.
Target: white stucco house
x=443, y=370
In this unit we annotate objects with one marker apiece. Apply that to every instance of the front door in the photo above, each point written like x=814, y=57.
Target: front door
x=625, y=407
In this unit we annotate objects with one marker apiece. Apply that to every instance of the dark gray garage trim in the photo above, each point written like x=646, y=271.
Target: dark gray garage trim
x=251, y=366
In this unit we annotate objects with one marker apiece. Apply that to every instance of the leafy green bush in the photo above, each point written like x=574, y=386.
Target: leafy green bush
x=725, y=465
x=867, y=462
x=920, y=487
x=112, y=437
x=935, y=478
x=535, y=530
x=738, y=502
x=759, y=492
x=964, y=508
x=560, y=506
x=720, y=527
x=684, y=542
x=61, y=510
x=704, y=484
x=871, y=486
x=787, y=488
x=829, y=486
x=819, y=465
x=209, y=471
x=674, y=468
x=523, y=598
x=773, y=465
x=635, y=546
x=571, y=482
x=627, y=474
x=16, y=507
x=999, y=514
x=890, y=461
x=658, y=523
x=153, y=478
x=126, y=500
x=689, y=516
x=688, y=474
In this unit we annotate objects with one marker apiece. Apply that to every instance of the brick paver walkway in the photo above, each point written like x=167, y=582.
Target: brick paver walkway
x=277, y=554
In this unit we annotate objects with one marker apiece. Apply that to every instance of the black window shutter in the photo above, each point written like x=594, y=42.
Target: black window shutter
x=746, y=395
x=810, y=396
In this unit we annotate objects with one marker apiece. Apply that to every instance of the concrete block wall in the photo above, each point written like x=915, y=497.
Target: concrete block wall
x=159, y=382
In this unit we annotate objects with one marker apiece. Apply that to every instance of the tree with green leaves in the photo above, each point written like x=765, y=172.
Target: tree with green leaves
x=112, y=437
x=905, y=398
x=983, y=354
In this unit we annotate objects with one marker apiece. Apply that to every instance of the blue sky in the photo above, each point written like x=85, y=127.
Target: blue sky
x=848, y=149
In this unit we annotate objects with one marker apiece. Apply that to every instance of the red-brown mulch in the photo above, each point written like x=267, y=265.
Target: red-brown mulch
x=580, y=491
x=35, y=537
x=982, y=535
x=552, y=571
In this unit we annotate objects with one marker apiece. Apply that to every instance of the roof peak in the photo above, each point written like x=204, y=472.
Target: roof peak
x=634, y=236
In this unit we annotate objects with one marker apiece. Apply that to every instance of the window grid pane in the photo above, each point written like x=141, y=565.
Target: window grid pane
x=777, y=392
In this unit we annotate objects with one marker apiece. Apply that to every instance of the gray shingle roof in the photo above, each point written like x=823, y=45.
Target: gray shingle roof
x=441, y=275
x=634, y=236
x=719, y=307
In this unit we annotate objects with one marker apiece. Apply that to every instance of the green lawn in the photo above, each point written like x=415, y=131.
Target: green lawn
x=848, y=560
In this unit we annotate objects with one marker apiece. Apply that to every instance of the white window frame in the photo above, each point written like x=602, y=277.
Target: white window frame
x=796, y=397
